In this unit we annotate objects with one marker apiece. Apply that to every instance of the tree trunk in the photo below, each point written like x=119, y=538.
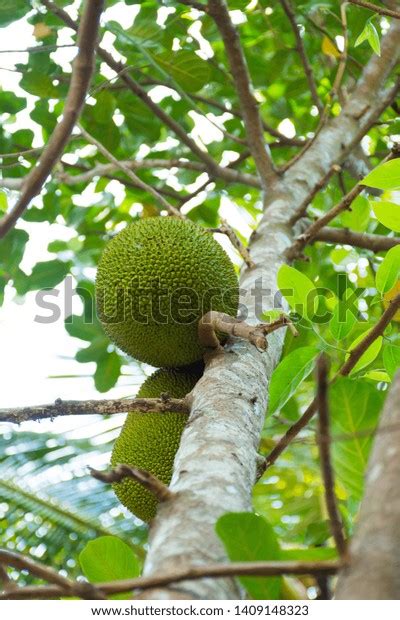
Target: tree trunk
x=215, y=466
x=374, y=571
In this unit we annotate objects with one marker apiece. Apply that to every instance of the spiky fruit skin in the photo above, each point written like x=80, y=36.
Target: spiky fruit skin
x=155, y=280
x=151, y=440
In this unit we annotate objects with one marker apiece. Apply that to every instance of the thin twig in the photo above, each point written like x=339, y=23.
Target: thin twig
x=218, y=10
x=17, y=415
x=347, y=367
x=260, y=569
x=295, y=250
x=302, y=209
x=343, y=56
x=227, y=230
x=130, y=174
x=218, y=322
x=377, y=9
x=324, y=440
x=344, y=236
x=287, y=7
x=145, y=478
x=308, y=144
x=82, y=70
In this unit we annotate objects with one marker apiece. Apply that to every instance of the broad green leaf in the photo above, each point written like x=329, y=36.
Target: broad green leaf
x=388, y=271
x=39, y=84
x=44, y=275
x=80, y=328
x=3, y=202
x=385, y=176
x=93, y=353
x=248, y=537
x=343, y=319
x=388, y=214
x=108, y=558
x=10, y=103
x=11, y=10
x=391, y=357
x=12, y=249
x=359, y=216
x=354, y=409
x=377, y=375
x=371, y=35
x=298, y=290
x=186, y=68
x=107, y=371
x=288, y=375
x=369, y=355
x=312, y=554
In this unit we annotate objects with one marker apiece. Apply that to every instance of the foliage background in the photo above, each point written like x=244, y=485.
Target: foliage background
x=49, y=506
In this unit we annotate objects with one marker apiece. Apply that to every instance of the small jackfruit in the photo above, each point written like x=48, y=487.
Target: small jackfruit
x=155, y=280
x=150, y=440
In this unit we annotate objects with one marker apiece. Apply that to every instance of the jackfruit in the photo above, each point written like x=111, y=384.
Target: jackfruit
x=150, y=440
x=155, y=280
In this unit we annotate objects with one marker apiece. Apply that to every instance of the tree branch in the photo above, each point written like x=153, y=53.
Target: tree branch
x=218, y=10
x=287, y=7
x=219, y=446
x=377, y=9
x=218, y=322
x=344, y=236
x=131, y=175
x=305, y=238
x=93, y=407
x=260, y=569
x=377, y=537
x=324, y=440
x=226, y=229
x=82, y=70
x=345, y=370
x=145, y=478
x=212, y=166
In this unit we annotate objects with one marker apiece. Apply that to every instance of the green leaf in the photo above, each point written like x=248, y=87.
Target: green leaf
x=107, y=372
x=391, y=357
x=80, y=328
x=44, y=275
x=39, y=84
x=388, y=214
x=186, y=68
x=108, y=558
x=93, y=353
x=298, y=290
x=343, y=319
x=313, y=554
x=388, y=271
x=371, y=35
x=369, y=355
x=248, y=537
x=359, y=216
x=10, y=103
x=11, y=10
x=288, y=375
x=385, y=176
x=3, y=202
x=377, y=375
x=354, y=407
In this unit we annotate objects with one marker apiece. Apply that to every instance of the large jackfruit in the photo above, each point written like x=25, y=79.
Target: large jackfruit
x=155, y=280
x=150, y=440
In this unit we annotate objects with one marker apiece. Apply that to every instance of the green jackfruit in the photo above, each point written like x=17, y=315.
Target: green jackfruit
x=150, y=440
x=155, y=280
